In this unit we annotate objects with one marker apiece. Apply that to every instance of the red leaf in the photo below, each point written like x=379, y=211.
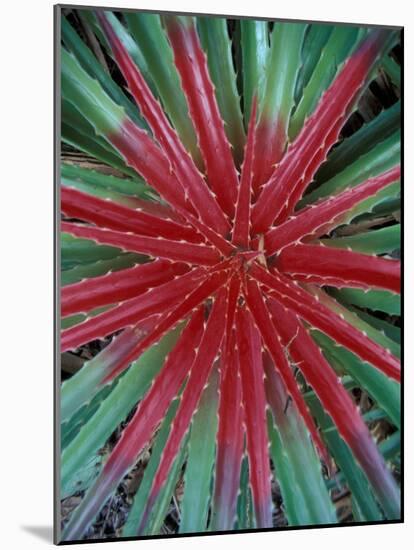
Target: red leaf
x=311, y=170
x=230, y=435
x=143, y=155
x=337, y=403
x=108, y=214
x=150, y=412
x=254, y=404
x=153, y=302
x=257, y=307
x=320, y=218
x=200, y=370
x=184, y=168
x=269, y=149
x=156, y=209
x=322, y=318
x=234, y=291
x=319, y=132
x=168, y=321
x=116, y=287
x=336, y=267
x=214, y=238
x=230, y=441
x=241, y=229
x=191, y=64
x=163, y=248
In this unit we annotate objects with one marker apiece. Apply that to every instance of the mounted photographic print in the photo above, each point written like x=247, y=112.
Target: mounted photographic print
x=228, y=288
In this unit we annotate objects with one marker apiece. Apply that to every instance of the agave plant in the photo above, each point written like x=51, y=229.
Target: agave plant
x=232, y=273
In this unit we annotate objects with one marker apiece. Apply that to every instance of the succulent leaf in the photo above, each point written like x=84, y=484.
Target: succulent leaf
x=191, y=64
x=148, y=32
x=355, y=478
x=255, y=50
x=217, y=45
x=88, y=61
x=339, y=268
x=230, y=444
x=380, y=241
x=318, y=315
x=297, y=465
x=385, y=392
x=318, y=219
x=338, y=46
x=153, y=302
x=112, y=411
x=200, y=460
x=375, y=300
x=278, y=197
x=254, y=404
x=339, y=405
x=185, y=170
x=278, y=99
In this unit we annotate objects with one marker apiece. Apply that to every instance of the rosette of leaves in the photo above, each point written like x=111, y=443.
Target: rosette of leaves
x=240, y=260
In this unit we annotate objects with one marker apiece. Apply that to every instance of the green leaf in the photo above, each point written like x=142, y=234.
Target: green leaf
x=389, y=205
x=391, y=331
x=297, y=466
x=384, y=391
x=89, y=18
x=93, y=147
x=217, y=44
x=294, y=503
x=379, y=241
x=83, y=385
x=84, y=251
x=255, y=50
x=245, y=515
x=150, y=37
x=71, y=428
x=315, y=39
x=88, y=96
x=160, y=508
x=85, y=477
x=100, y=267
x=200, y=460
x=72, y=174
x=101, y=192
x=298, y=503
x=131, y=526
x=351, y=315
x=113, y=410
x=281, y=73
x=95, y=70
x=131, y=47
x=72, y=320
x=355, y=478
x=379, y=159
x=368, y=137
x=388, y=196
x=338, y=46
x=375, y=300
x=77, y=122
x=391, y=447
x=373, y=415
x=392, y=69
